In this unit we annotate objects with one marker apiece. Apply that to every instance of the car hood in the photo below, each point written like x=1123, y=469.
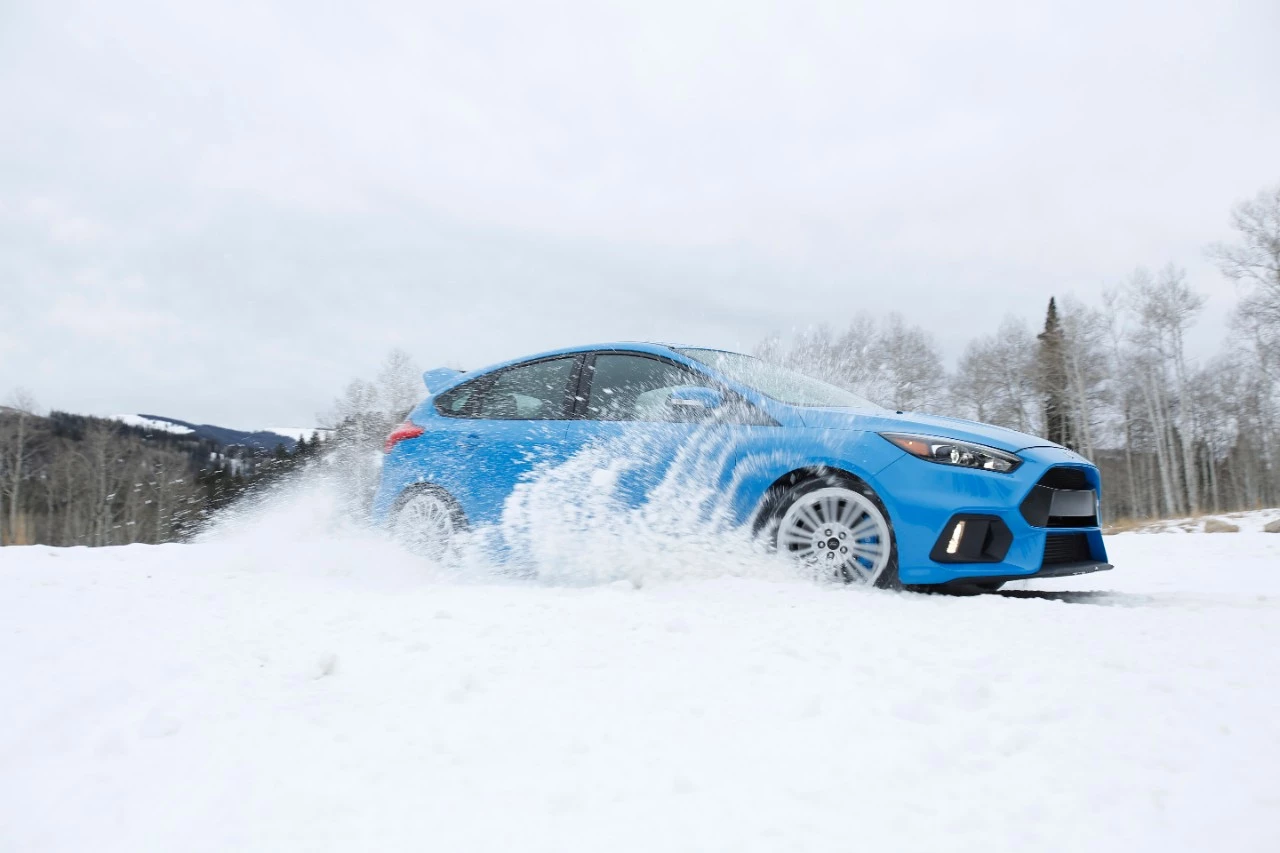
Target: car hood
x=886, y=421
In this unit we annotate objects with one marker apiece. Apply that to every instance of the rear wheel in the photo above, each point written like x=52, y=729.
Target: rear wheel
x=837, y=530
x=428, y=523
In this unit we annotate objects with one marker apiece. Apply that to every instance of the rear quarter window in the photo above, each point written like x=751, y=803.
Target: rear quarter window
x=458, y=402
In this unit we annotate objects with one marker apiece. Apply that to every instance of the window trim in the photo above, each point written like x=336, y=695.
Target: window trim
x=467, y=412
x=581, y=397
x=470, y=409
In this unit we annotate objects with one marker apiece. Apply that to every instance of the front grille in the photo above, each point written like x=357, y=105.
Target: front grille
x=1061, y=521
x=1066, y=548
x=1065, y=478
x=1062, y=498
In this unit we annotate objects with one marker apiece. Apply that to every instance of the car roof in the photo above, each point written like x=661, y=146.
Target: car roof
x=651, y=347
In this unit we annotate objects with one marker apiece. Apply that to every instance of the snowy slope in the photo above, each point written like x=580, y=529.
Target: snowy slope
x=153, y=424
x=260, y=439
x=326, y=691
x=297, y=433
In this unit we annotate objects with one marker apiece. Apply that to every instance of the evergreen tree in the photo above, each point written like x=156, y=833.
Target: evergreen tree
x=1052, y=379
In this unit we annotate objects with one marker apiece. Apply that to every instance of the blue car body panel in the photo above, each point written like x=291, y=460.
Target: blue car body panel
x=480, y=462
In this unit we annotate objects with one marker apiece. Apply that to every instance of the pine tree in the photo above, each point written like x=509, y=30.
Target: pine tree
x=1052, y=380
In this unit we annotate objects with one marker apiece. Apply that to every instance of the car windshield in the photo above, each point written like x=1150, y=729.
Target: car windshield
x=780, y=383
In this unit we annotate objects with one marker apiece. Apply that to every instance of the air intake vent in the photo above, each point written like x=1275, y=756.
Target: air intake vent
x=1066, y=548
x=1065, y=478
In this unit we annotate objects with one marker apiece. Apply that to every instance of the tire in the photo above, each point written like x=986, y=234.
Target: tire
x=427, y=521
x=838, y=528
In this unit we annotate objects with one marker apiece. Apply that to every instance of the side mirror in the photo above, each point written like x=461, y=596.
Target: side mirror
x=696, y=397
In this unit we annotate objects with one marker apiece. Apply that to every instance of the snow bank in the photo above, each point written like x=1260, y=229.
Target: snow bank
x=1248, y=521
x=302, y=684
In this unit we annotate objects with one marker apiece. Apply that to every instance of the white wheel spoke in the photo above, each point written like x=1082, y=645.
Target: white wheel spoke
x=869, y=550
x=862, y=570
x=797, y=537
x=811, y=517
x=866, y=528
x=831, y=509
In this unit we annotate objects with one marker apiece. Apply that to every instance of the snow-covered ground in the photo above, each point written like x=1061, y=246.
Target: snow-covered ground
x=320, y=690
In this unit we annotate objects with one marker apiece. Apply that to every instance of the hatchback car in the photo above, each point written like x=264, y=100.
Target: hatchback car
x=843, y=487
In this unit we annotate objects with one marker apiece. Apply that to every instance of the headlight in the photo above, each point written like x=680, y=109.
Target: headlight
x=948, y=451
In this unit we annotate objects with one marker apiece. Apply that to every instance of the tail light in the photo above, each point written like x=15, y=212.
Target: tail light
x=408, y=429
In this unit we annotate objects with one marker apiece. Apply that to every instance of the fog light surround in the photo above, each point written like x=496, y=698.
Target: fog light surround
x=968, y=538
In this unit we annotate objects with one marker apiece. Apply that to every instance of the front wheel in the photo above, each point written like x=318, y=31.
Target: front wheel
x=838, y=531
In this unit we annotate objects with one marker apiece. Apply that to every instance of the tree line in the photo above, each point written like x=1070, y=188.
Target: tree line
x=1112, y=381
x=69, y=479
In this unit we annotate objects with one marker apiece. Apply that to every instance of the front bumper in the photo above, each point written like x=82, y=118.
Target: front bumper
x=923, y=498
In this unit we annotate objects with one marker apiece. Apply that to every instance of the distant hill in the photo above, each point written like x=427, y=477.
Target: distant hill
x=88, y=480
x=263, y=439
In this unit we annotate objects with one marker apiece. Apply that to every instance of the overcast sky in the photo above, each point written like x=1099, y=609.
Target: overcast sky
x=224, y=211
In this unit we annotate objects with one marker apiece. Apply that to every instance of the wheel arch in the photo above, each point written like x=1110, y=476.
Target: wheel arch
x=778, y=489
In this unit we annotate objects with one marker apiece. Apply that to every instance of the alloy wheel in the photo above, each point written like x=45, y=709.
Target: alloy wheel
x=425, y=524
x=838, y=533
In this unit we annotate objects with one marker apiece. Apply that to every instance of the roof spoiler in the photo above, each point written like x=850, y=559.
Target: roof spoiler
x=438, y=378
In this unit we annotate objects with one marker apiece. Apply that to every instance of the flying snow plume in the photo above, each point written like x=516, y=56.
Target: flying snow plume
x=305, y=526
x=608, y=513
x=616, y=510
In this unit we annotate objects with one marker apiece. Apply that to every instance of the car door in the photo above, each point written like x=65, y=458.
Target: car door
x=514, y=421
x=636, y=412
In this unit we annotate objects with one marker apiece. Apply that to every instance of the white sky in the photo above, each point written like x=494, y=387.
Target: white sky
x=223, y=212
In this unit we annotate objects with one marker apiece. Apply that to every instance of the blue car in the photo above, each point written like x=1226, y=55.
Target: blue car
x=844, y=487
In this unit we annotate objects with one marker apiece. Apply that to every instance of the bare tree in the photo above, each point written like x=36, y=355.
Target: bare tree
x=1165, y=308
x=892, y=363
x=15, y=454
x=399, y=384
x=360, y=420
x=995, y=381
x=911, y=367
x=1084, y=363
x=1255, y=260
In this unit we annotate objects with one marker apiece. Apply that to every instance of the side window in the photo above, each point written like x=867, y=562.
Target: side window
x=634, y=388
x=453, y=404
x=528, y=392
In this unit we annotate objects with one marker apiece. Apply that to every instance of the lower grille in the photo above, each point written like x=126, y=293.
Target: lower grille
x=1066, y=548
x=1062, y=498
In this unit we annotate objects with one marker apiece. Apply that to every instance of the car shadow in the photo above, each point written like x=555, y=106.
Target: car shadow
x=1098, y=597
